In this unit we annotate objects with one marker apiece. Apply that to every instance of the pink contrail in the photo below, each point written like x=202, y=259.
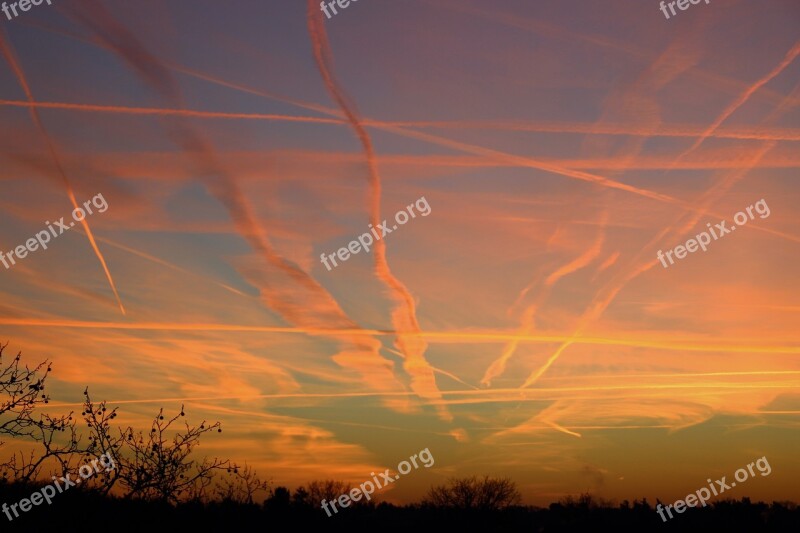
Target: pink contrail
x=404, y=317
x=12, y=60
x=736, y=104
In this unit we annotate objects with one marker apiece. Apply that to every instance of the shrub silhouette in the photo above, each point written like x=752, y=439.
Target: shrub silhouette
x=155, y=465
x=474, y=493
x=21, y=394
x=240, y=485
x=327, y=489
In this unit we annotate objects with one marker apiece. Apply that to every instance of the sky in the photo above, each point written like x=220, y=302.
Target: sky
x=524, y=327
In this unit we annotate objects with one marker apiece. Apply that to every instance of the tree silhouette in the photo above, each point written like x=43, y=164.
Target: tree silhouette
x=156, y=465
x=102, y=440
x=21, y=393
x=241, y=485
x=473, y=493
x=583, y=501
x=327, y=489
x=153, y=466
x=300, y=497
x=279, y=500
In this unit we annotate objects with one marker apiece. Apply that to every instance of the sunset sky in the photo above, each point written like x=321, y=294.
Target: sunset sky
x=524, y=328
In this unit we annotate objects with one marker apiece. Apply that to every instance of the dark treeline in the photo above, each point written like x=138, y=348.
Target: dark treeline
x=87, y=474
x=87, y=511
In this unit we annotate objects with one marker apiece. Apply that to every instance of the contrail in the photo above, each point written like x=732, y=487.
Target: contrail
x=574, y=164
x=441, y=141
x=167, y=112
x=501, y=394
x=529, y=162
x=600, y=304
x=511, y=159
x=563, y=429
x=304, y=302
x=527, y=320
x=608, y=293
x=167, y=264
x=607, y=128
x=740, y=101
x=736, y=345
x=662, y=71
x=404, y=317
x=551, y=30
x=439, y=371
x=389, y=126
x=12, y=60
x=745, y=133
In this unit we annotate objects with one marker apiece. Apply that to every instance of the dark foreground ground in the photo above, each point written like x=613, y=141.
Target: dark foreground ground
x=81, y=511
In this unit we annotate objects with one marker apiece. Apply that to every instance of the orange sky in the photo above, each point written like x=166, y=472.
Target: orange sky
x=524, y=328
